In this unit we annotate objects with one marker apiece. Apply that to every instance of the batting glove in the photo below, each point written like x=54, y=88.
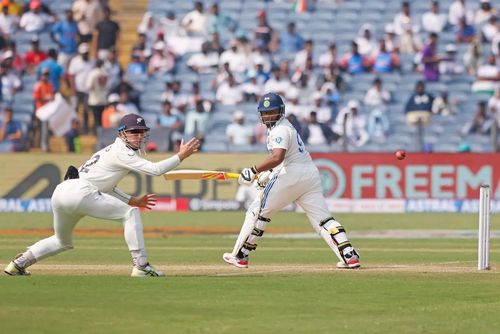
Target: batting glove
x=262, y=179
x=247, y=175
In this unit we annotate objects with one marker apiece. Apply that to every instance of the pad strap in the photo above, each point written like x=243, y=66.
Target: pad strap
x=249, y=246
x=257, y=232
x=267, y=220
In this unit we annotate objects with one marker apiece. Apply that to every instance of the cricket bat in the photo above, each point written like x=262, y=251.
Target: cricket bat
x=194, y=174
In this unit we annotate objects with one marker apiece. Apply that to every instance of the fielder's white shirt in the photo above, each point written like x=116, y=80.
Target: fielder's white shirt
x=284, y=135
x=107, y=167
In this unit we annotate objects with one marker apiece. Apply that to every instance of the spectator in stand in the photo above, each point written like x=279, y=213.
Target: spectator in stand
x=111, y=116
x=173, y=93
x=125, y=105
x=252, y=90
x=113, y=68
x=218, y=22
x=378, y=126
x=196, y=96
x=237, y=59
x=106, y=36
x=323, y=112
x=376, y=96
x=403, y=21
x=55, y=69
x=205, y=61
x=277, y=83
x=78, y=71
x=261, y=74
x=302, y=56
x=197, y=122
x=306, y=78
x=293, y=106
x=354, y=124
x=136, y=66
x=419, y=106
x=315, y=132
x=14, y=7
x=488, y=77
x=494, y=108
x=329, y=57
x=195, y=22
x=443, y=106
x=13, y=60
x=384, y=61
x=43, y=91
x=238, y=133
x=8, y=23
x=449, y=63
x=140, y=46
x=215, y=45
x=35, y=21
x=465, y=33
x=229, y=92
x=96, y=83
x=391, y=40
x=433, y=21
x=260, y=56
x=490, y=29
x=260, y=131
x=87, y=13
x=430, y=59
x=265, y=32
x=65, y=35
x=72, y=137
x=291, y=41
x=34, y=57
x=480, y=124
x=484, y=12
x=148, y=31
x=171, y=26
x=473, y=57
x=458, y=10
x=10, y=84
x=163, y=59
x=366, y=43
x=11, y=134
x=125, y=86
x=354, y=62
x=171, y=118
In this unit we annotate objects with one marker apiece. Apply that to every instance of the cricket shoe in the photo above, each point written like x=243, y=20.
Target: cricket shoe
x=146, y=271
x=13, y=270
x=235, y=261
x=352, y=261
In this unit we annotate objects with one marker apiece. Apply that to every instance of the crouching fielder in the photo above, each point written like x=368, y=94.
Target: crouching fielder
x=91, y=191
x=294, y=178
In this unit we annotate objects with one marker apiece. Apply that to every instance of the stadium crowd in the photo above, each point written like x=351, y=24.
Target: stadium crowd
x=211, y=71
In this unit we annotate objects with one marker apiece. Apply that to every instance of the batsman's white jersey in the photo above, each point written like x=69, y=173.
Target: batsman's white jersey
x=295, y=180
x=95, y=194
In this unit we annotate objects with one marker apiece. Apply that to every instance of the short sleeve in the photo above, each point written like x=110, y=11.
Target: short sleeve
x=279, y=138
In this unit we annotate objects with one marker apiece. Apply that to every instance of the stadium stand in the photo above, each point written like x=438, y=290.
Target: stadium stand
x=176, y=24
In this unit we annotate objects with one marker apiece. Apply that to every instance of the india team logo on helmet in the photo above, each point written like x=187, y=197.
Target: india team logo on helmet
x=272, y=109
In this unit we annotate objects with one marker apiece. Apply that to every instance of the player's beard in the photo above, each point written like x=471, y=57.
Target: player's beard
x=138, y=145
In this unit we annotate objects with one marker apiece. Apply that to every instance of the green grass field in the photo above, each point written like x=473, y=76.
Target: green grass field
x=408, y=283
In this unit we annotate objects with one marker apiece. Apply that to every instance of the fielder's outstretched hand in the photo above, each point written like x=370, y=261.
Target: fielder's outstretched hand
x=146, y=201
x=186, y=149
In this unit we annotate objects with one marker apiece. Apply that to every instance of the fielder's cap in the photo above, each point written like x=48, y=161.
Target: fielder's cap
x=353, y=104
x=83, y=48
x=132, y=122
x=113, y=98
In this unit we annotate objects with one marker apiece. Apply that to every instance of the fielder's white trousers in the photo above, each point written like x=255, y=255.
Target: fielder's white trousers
x=76, y=198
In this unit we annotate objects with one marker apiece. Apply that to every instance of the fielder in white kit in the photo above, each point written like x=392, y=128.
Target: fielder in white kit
x=287, y=175
x=91, y=191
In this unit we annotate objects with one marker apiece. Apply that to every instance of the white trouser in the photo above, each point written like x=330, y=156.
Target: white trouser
x=298, y=184
x=74, y=199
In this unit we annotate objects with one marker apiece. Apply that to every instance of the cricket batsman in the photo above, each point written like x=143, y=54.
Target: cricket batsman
x=294, y=178
x=91, y=191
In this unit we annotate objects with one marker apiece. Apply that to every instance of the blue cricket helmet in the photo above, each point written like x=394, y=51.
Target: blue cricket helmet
x=269, y=104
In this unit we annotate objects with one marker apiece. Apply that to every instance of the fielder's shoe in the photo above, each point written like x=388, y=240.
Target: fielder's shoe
x=352, y=261
x=146, y=271
x=13, y=270
x=237, y=262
